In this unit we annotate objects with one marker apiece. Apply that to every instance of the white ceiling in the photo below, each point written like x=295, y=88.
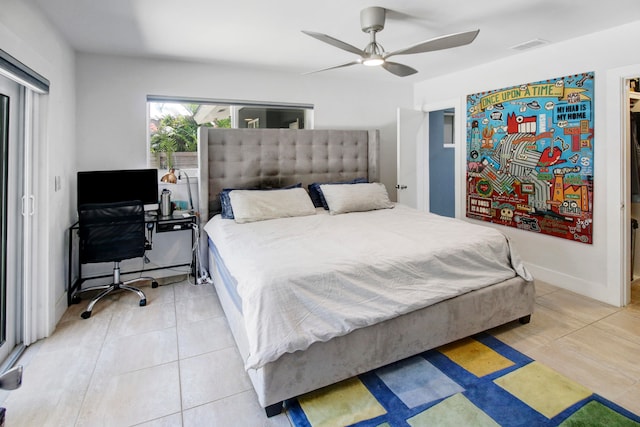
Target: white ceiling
x=267, y=33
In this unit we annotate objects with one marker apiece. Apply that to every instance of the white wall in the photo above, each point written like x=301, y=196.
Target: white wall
x=27, y=35
x=112, y=90
x=593, y=270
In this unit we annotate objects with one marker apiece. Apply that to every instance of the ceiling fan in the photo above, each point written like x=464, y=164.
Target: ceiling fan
x=372, y=20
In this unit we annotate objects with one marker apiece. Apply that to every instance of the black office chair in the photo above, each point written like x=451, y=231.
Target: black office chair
x=112, y=232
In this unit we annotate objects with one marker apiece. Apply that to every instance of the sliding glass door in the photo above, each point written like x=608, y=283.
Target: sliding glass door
x=11, y=222
x=4, y=142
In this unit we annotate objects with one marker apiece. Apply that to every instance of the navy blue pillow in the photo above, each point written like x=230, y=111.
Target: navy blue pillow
x=225, y=204
x=316, y=193
x=225, y=199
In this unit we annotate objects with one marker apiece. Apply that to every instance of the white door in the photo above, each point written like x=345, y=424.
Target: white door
x=411, y=185
x=11, y=222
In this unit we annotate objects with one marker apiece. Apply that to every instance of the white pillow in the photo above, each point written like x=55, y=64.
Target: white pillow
x=356, y=197
x=258, y=205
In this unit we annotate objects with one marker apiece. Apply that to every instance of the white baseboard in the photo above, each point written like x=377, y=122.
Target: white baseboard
x=597, y=291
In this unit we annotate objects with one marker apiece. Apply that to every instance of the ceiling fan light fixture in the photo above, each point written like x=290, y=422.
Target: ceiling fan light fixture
x=372, y=21
x=373, y=61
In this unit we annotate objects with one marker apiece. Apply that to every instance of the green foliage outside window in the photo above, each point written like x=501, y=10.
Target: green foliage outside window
x=173, y=129
x=223, y=123
x=176, y=133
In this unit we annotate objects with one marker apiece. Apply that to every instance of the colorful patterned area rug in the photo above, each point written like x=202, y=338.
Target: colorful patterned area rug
x=478, y=381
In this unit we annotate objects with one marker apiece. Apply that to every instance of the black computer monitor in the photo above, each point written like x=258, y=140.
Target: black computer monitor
x=119, y=185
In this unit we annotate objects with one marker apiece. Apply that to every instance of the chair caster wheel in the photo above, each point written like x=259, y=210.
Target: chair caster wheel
x=85, y=314
x=154, y=284
x=143, y=302
x=75, y=299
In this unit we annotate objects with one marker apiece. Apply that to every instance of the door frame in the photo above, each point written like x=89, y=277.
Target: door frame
x=14, y=314
x=411, y=144
x=618, y=196
x=36, y=292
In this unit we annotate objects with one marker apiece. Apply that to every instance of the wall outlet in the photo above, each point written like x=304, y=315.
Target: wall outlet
x=57, y=183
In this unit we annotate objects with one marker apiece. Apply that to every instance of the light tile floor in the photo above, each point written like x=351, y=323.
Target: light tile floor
x=174, y=362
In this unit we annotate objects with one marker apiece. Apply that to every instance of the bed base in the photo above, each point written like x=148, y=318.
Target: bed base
x=365, y=349
x=276, y=408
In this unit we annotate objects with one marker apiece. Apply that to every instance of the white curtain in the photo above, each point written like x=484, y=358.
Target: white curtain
x=36, y=288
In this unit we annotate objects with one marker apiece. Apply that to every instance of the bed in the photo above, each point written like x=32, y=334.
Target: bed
x=291, y=309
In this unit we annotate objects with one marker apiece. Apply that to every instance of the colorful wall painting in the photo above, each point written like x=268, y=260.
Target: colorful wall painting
x=530, y=157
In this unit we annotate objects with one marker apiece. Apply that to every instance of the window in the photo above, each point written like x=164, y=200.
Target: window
x=449, y=128
x=173, y=124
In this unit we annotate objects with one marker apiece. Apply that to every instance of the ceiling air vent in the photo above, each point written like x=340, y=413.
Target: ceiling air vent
x=529, y=44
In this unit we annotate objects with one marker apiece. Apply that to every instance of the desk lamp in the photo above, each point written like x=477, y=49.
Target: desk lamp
x=188, y=188
x=201, y=273
x=169, y=177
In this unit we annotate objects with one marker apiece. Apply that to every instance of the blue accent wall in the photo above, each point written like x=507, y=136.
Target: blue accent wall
x=441, y=168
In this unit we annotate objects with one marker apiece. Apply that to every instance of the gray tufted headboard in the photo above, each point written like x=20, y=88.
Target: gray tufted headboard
x=263, y=158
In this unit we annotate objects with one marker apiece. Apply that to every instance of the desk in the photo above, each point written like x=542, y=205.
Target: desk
x=179, y=221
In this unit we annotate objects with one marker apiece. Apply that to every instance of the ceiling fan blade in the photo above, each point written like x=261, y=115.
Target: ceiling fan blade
x=438, y=43
x=398, y=69
x=335, y=42
x=331, y=68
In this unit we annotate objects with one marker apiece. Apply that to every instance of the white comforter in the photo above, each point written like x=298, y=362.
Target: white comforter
x=313, y=278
